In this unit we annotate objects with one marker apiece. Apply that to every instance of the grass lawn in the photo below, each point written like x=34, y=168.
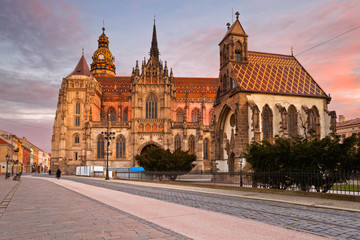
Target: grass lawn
x=343, y=187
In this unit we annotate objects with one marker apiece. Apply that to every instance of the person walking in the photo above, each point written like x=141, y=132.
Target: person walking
x=58, y=173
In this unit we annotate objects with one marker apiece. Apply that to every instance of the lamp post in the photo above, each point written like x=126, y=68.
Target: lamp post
x=241, y=162
x=7, y=157
x=108, y=136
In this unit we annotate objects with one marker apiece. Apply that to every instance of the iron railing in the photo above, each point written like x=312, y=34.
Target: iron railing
x=327, y=182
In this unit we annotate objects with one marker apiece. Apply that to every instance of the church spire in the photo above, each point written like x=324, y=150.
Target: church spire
x=154, y=50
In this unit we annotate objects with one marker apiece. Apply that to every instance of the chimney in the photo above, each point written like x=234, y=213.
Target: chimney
x=341, y=118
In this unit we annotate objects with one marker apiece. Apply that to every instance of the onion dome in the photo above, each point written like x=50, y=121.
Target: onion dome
x=103, y=60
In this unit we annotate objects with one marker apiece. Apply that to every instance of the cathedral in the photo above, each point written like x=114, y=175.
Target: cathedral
x=255, y=97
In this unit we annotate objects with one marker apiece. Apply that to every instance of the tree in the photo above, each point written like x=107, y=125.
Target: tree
x=163, y=162
x=321, y=160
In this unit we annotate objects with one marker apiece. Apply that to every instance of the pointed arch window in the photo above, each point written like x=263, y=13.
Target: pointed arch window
x=267, y=125
x=314, y=122
x=292, y=123
x=177, y=142
x=224, y=83
x=77, y=108
x=238, y=52
x=126, y=117
x=195, y=115
x=120, y=147
x=180, y=115
x=206, y=149
x=192, y=144
x=100, y=146
x=151, y=106
x=111, y=115
x=76, y=139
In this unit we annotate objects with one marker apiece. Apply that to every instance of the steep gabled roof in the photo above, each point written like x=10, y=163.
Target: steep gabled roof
x=81, y=68
x=349, y=122
x=276, y=74
x=235, y=29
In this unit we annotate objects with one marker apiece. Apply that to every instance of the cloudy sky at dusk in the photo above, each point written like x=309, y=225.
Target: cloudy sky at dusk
x=41, y=42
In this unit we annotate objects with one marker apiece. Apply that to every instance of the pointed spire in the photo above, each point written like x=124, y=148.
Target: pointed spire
x=154, y=50
x=137, y=72
x=81, y=68
x=166, y=69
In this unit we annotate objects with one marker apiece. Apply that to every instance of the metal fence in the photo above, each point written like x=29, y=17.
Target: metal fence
x=329, y=182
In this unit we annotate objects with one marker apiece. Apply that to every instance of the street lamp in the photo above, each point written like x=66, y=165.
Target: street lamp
x=241, y=162
x=7, y=157
x=108, y=137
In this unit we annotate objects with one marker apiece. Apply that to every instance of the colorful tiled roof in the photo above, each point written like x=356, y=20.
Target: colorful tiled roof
x=195, y=87
x=274, y=73
x=349, y=122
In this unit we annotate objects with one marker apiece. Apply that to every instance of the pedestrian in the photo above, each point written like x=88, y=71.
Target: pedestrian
x=58, y=173
x=49, y=171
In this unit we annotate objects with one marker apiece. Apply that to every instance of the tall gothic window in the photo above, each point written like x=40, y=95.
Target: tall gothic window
x=77, y=108
x=211, y=116
x=206, y=149
x=267, y=125
x=224, y=83
x=192, y=144
x=314, y=122
x=151, y=107
x=76, y=139
x=120, y=147
x=77, y=121
x=292, y=123
x=179, y=115
x=126, y=117
x=100, y=146
x=238, y=52
x=111, y=115
x=177, y=142
x=195, y=115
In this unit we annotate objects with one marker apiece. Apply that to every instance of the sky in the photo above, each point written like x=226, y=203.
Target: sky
x=41, y=42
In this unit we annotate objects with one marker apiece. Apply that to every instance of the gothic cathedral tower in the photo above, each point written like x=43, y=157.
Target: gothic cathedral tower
x=152, y=91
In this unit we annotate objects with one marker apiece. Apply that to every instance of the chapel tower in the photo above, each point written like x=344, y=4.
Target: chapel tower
x=233, y=49
x=103, y=60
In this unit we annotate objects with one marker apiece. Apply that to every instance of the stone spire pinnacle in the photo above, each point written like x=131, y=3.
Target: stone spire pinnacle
x=154, y=50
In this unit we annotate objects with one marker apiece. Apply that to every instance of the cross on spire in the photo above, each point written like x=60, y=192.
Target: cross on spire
x=237, y=15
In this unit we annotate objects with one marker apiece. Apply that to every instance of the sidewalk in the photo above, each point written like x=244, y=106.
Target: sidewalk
x=191, y=222
x=40, y=209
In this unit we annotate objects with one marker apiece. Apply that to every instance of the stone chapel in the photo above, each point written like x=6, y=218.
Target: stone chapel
x=255, y=97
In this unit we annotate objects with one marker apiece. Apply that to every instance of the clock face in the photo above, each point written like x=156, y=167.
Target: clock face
x=101, y=57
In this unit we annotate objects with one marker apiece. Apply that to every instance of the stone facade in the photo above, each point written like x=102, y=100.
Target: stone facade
x=255, y=97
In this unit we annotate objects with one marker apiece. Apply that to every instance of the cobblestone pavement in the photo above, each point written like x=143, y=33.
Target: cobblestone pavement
x=335, y=224
x=39, y=209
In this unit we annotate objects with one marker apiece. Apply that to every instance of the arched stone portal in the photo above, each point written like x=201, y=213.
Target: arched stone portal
x=142, y=149
x=146, y=148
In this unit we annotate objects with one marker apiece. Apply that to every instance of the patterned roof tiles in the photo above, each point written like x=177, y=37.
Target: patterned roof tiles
x=195, y=87
x=275, y=73
x=349, y=122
